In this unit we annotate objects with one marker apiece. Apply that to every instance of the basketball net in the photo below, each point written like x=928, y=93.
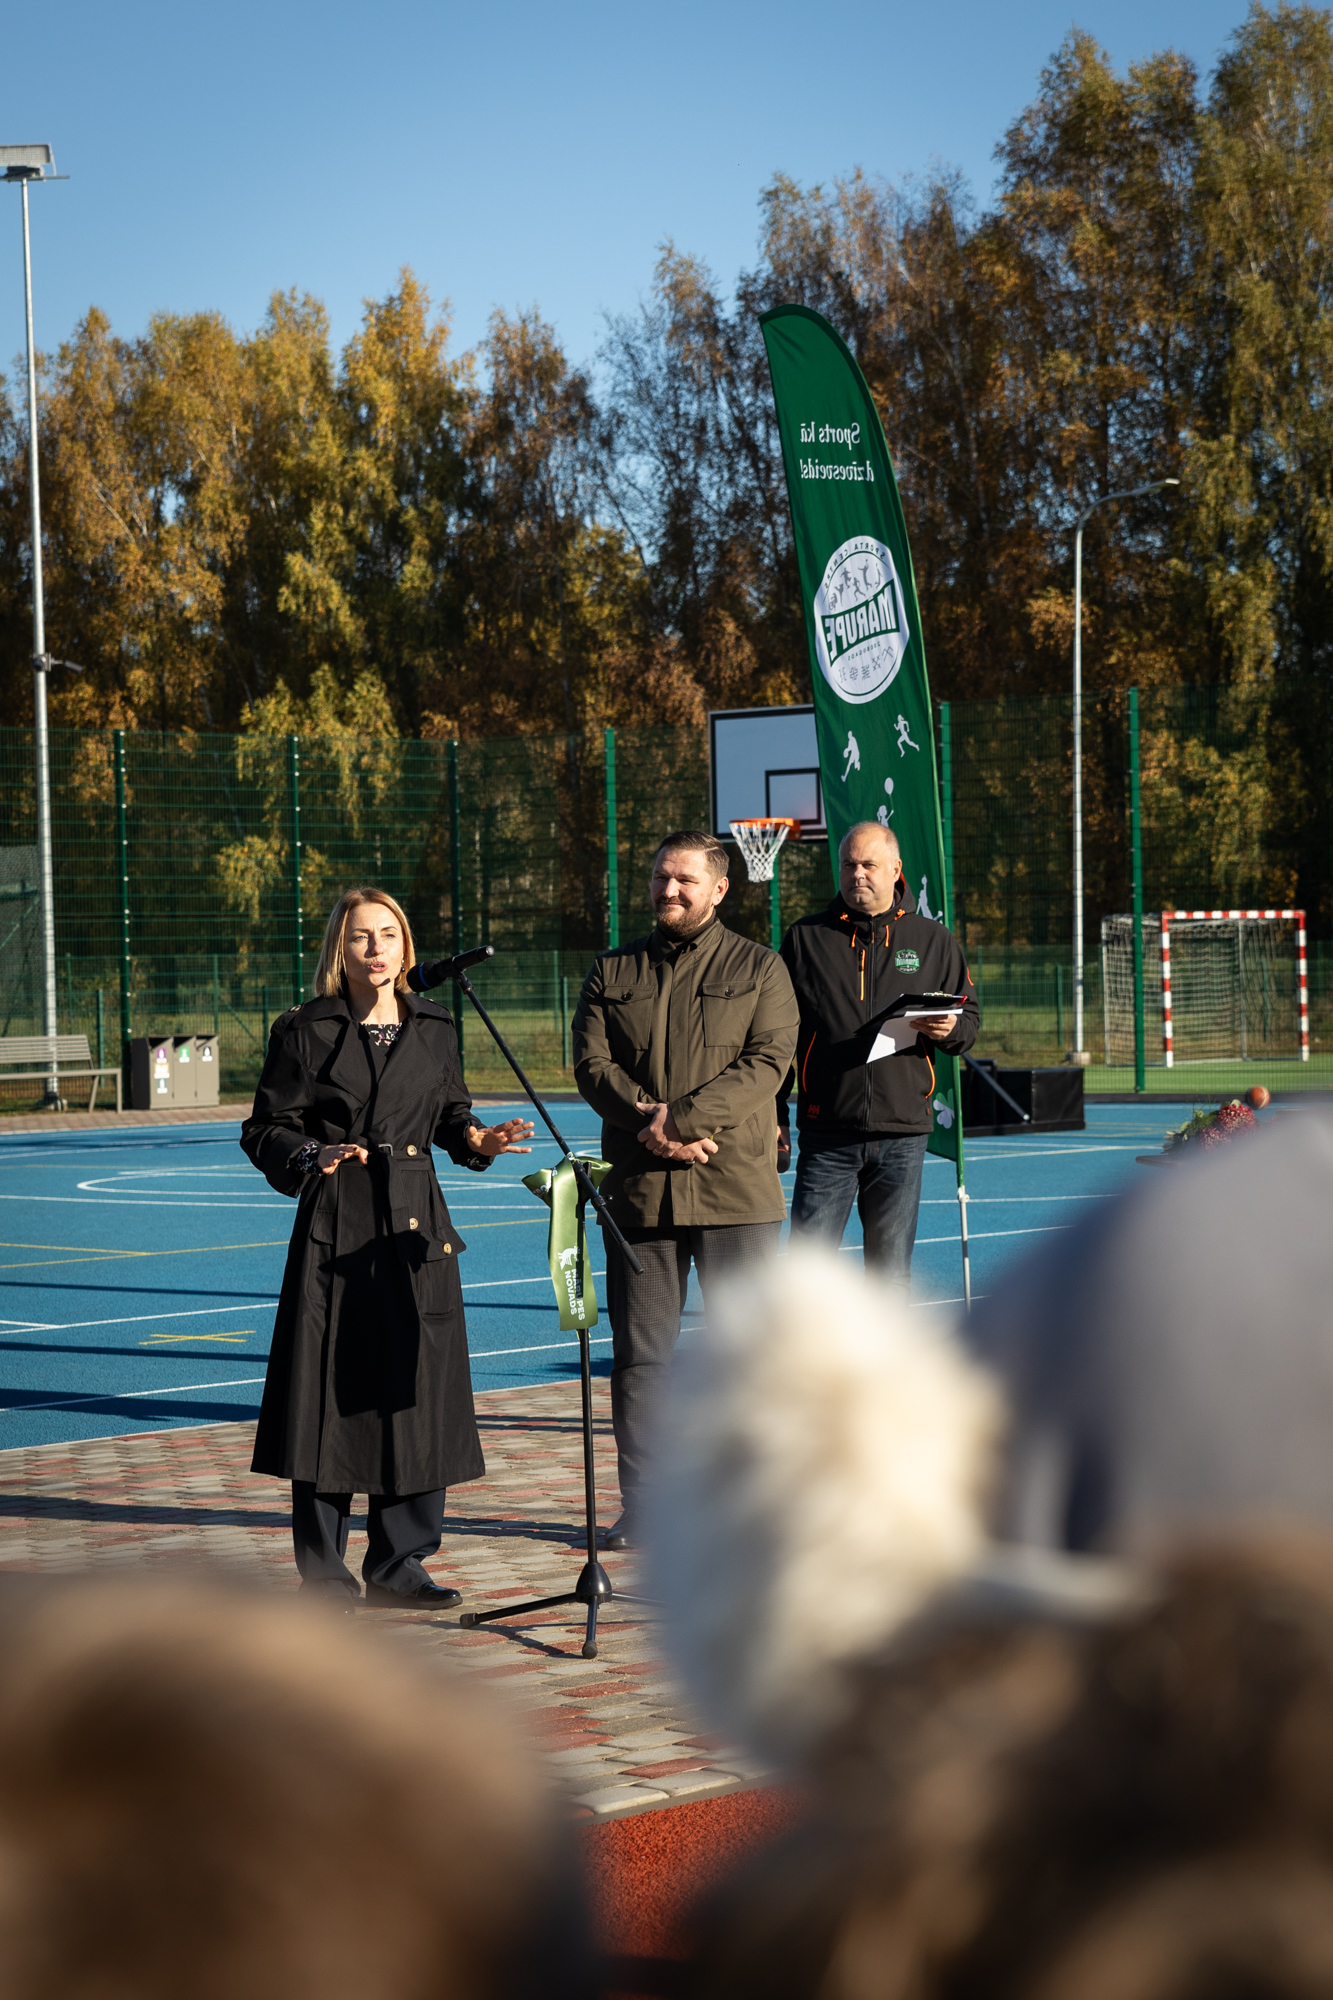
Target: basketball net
x=759, y=841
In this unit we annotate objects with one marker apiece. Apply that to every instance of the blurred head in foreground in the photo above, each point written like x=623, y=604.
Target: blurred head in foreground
x=1025, y=1809
x=1167, y=1363
x=207, y=1795
x=826, y=1456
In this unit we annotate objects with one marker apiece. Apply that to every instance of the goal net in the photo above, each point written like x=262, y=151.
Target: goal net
x=1218, y=986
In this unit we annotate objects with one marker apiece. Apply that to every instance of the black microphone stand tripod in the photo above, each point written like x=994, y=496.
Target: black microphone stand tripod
x=594, y=1588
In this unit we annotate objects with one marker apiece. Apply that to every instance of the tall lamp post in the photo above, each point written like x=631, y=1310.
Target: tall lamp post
x=1080, y=1054
x=25, y=164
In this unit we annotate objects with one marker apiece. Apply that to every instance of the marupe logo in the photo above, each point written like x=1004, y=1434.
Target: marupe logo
x=569, y=1272
x=860, y=623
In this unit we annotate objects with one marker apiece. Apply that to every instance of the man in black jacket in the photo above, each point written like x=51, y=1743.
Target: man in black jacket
x=864, y=1123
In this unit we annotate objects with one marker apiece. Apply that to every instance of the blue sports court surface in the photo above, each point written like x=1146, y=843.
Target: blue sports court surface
x=141, y=1267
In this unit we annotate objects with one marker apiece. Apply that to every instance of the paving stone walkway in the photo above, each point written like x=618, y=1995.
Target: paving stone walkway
x=615, y=1729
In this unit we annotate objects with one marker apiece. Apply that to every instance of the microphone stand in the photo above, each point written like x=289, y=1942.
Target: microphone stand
x=593, y=1588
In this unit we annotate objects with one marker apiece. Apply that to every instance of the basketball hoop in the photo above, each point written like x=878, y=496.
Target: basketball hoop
x=759, y=841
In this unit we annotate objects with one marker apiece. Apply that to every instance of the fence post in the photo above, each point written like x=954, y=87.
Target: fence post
x=1059, y=1007
x=217, y=999
x=101, y=1030
x=612, y=848
x=263, y=1011
x=294, y=801
x=456, y=871
x=1136, y=865
x=123, y=871
x=946, y=810
x=566, y=1054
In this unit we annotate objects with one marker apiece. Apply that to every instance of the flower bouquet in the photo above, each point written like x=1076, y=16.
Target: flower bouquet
x=1211, y=1128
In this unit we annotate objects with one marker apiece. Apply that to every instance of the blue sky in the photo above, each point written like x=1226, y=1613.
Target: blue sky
x=514, y=156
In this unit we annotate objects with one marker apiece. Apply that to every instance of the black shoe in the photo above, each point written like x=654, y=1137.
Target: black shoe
x=622, y=1534
x=426, y=1597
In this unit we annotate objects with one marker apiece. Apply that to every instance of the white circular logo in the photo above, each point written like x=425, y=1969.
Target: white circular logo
x=860, y=620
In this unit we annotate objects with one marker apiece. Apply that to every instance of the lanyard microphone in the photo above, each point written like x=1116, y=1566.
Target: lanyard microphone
x=435, y=971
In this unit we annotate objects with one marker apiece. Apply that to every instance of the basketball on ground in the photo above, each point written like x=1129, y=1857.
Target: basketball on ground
x=1258, y=1095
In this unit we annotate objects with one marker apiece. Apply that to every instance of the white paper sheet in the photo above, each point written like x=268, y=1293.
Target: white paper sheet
x=885, y=1045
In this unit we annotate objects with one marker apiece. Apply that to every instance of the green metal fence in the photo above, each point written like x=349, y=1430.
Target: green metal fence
x=194, y=873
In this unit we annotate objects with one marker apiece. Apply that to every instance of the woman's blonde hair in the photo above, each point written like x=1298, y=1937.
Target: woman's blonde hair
x=331, y=972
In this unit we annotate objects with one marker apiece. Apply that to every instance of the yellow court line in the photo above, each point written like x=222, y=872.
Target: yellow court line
x=72, y=1246
x=200, y=1250
x=175, y=1339
x=113, y=1256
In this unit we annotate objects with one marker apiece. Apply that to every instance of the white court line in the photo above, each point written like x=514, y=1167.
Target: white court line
x=981, y=1235
x=138, y=1319
x=994, y=1200
x=128, y=1395
x=493, y=1284
x=490, y=1353
x=59, y=1156
x=107, y=1201
x=1032, y=1153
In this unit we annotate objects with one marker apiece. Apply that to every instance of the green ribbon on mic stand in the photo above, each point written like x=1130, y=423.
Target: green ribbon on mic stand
x=567, y=1238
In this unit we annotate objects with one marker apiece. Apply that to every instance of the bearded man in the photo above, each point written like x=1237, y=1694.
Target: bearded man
x=681, y=1041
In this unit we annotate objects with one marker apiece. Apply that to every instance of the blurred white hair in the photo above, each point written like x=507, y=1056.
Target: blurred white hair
x=825, y=1457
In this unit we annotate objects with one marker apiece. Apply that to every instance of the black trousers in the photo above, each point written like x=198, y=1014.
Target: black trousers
x=404, y=1528
x=645, y=1320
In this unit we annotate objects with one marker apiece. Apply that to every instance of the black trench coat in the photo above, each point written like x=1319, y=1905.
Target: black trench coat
x=368, y=1387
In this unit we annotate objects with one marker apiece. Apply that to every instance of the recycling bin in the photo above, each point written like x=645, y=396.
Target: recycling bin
x=152, y=1073
x=207, y=1069
x=184, y=1068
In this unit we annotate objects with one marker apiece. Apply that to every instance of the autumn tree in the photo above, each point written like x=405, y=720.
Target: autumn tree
x=247, y=527
x=1262, y=451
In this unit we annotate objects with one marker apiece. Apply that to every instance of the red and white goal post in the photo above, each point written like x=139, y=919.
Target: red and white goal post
x=1177, y=917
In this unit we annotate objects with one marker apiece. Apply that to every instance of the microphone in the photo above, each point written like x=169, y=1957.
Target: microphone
x=435, y=971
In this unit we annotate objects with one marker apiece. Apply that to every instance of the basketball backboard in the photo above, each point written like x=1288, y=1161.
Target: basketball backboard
x=764, y=764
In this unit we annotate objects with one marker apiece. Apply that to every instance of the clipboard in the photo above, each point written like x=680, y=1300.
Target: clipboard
x=909, y=1007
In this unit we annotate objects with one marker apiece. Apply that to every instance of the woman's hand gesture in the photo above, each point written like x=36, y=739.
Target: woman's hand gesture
x=332, y=1157
x=492, y=1139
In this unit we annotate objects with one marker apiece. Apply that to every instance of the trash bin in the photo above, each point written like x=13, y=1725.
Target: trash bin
x=207, y=1069
x=184, y=1068
x=152, y=1073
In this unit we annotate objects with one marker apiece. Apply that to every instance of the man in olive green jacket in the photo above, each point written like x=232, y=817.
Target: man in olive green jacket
x=681, y=1042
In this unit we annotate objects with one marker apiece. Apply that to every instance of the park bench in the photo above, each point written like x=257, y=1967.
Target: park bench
x=36, y=1051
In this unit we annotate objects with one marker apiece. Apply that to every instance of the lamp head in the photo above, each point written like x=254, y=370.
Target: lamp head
x=27, y=163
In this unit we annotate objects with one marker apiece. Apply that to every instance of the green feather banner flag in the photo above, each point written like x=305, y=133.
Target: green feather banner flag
x=863, y=623
x=567, y=1240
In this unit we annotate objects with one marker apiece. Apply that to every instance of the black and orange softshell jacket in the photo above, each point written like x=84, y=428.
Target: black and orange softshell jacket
x=847, y=969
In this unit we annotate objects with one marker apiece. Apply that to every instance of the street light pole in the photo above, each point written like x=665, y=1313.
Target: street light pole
x=1080, y=1055
x=46, y=903
x=24, y=164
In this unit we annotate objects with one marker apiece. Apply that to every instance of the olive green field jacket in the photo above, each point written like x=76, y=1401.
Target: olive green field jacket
x=710, y=1030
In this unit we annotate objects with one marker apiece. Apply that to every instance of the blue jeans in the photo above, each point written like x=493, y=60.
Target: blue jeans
x=885, y=1177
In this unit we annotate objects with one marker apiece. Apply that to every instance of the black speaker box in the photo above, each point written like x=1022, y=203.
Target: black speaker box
x=1052, y=1098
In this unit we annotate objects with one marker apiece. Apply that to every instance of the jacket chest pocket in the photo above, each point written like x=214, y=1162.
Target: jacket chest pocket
x=728, y=1012
x=629, y=1017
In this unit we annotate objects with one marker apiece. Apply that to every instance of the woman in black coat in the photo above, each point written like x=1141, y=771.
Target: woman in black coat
x=368, y=1387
